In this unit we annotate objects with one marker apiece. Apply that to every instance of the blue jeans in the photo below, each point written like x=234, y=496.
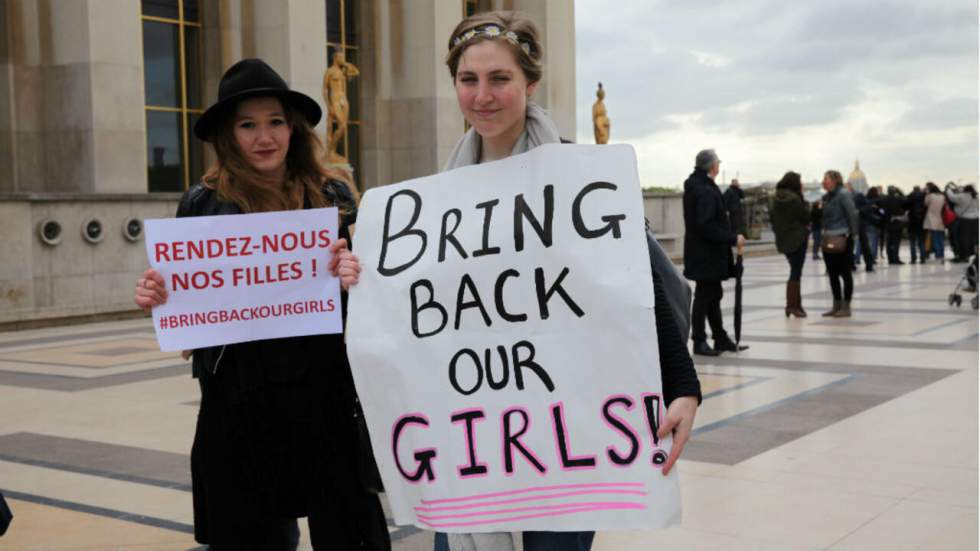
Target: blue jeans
x=540, y=541
x=938, y=242
x=866, y=245
x=815, y=230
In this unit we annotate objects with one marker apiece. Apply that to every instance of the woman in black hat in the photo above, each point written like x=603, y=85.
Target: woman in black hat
x=275, y=437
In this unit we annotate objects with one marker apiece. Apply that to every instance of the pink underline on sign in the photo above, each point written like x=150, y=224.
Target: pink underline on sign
x=533, y=489
x=524, y=517
x=577, y=505
x=528, y=498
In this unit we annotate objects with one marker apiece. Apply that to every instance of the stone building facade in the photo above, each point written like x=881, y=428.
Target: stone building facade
x=97, y=98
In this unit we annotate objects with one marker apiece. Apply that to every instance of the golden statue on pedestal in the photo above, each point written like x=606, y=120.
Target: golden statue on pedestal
x=600, y=122
x=338, y=108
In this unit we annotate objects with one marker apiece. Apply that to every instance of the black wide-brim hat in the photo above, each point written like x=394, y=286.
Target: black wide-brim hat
x=251, y=78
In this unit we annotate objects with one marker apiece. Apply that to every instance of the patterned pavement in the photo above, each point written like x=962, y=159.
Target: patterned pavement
x=843, y=434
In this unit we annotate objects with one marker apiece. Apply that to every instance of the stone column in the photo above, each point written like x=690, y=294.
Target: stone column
x=6, y=105
x=411, y=121
x=76, y=88
x=556, y=93
x=291, y=36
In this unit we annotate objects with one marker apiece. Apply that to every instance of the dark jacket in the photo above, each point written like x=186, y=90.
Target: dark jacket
x=816, y=215
x=708, y=236
x=789, y=216
x=896, y=207
x=916, y=203
x=733, y=197
x=275, y=430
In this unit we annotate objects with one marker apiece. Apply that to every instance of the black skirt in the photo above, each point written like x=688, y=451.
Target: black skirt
x=275, y=440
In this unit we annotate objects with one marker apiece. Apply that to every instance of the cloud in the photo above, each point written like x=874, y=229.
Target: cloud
x=882, y=79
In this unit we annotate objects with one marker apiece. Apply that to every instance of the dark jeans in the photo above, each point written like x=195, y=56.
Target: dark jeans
x=707, y=304
x=816, y=230
x=967, y=237
x=839, y=268
x=865, y=246
x=917, y=243
x=894, y=243
x=796, y=260
x=938, y=243
x=540, y=541
x=954, y=237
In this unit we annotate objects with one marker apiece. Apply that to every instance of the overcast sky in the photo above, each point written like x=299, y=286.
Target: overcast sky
x=776, y=86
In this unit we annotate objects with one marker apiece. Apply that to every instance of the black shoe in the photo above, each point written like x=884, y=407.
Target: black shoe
x=701, y=348
x=869, y=270
x=726, y=345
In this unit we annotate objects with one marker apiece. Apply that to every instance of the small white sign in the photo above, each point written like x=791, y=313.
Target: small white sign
x=244, y=277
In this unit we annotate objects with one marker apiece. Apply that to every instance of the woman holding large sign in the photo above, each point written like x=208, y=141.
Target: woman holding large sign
x=495, y=61
x=275, y=434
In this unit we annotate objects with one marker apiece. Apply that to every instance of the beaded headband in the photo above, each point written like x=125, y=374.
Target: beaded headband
x=492, y=31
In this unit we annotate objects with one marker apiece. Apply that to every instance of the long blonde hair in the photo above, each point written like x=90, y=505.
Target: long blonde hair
x=236, y=181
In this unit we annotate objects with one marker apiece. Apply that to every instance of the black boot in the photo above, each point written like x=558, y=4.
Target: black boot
x=725, y=344
x=701, y=348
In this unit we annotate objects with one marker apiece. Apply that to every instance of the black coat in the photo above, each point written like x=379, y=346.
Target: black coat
x=916, y=202
x=733, y=204
x=275, y=435
x=708, y=236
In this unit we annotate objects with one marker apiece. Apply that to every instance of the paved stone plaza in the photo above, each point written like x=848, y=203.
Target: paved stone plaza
x=853, y=433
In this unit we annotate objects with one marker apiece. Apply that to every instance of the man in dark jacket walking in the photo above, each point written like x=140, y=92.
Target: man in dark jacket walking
x=733, y=197
x=708, y=242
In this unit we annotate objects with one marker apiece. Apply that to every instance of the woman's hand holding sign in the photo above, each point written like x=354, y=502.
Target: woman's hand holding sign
x=679, y=421
x=344, y=264
x=151, y=291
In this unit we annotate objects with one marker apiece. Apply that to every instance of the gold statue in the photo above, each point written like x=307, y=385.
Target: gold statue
x=600, y=122
x=338, y=108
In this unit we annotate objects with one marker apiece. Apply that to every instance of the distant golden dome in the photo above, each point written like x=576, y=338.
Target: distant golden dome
x=857, y=180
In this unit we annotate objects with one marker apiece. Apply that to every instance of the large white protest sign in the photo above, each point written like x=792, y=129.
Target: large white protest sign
x=504, y=346
x=244, y=277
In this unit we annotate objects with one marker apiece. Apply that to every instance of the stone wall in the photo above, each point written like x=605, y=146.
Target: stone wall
x=73, y=278
x=665, y=212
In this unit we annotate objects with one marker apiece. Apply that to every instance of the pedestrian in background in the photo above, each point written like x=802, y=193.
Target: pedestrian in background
x=708, y=260
x=933, y=223
x=964, y=203
x=896, y=209
x=733, y=198
x=789, y=215
x=862, y=243
x=816, y=226
x=917, y=213
x=840, y=225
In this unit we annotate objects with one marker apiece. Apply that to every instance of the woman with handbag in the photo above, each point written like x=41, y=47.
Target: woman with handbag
x=789, y=216
x=840, y=225
x=933, y=223
x=276, y=430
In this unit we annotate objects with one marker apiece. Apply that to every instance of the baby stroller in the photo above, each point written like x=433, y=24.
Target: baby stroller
x=970, y=279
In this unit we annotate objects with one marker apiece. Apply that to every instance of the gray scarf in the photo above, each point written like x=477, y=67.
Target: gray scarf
x=538, y=129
